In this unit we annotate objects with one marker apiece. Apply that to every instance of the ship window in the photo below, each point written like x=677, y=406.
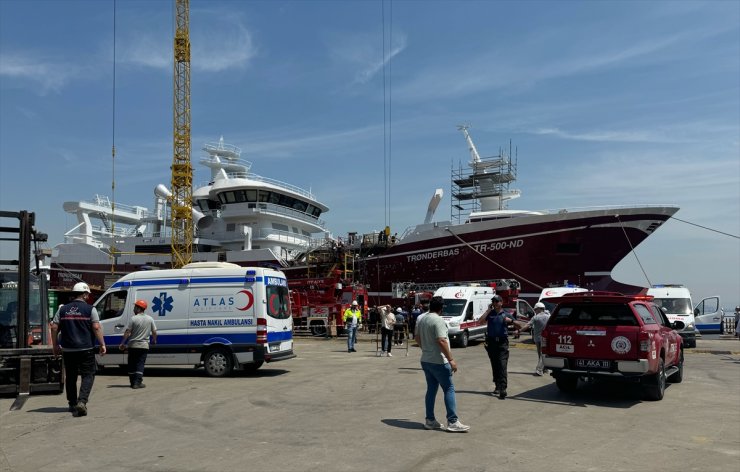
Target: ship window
x=310, y=209
x=299, y=205
x=306, y=233
x=213, y=204
x=231, y=227
x=316, y=212
x=203, y=205
x=274, y=198
x=286, y=201
x=251, y=205
x=568, y=248
x=264, y=196
x=241, y=196
x=280, y=227
x=230, y=197
x=251, y=195
x=295, y=230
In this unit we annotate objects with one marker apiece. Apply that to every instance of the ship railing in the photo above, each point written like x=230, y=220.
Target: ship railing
x=277, y=235
x=277, y=183
x=602, y=207
x=290, y=212
x=220, y=146
x=104, y=201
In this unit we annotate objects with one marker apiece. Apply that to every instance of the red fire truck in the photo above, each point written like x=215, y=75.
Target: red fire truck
x=317, y=303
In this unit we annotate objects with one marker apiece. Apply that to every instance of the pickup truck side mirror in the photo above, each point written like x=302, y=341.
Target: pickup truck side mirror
x=678, y=325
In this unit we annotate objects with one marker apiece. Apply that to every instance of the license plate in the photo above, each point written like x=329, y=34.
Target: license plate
x=274, y=347
x=592, y=364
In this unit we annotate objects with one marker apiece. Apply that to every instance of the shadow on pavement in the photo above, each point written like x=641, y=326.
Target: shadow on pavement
x=595, y=393
x=50, y=409
x=403, y=423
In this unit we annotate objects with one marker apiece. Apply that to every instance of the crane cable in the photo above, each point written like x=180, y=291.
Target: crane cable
x=518, y=276
x=113, y=149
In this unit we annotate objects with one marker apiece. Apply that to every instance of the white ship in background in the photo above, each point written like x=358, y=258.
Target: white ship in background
x=265, y=221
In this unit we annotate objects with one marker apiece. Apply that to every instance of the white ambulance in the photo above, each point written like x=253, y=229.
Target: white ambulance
x=555, y=292
x=210, y=314
x=675, y=300
x=464, y=306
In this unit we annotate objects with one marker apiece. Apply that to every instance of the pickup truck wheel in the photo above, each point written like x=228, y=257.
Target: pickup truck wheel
x=464, y=339
x=678, y=376
x=655, y=388
x=567, y=383
x=218, y=363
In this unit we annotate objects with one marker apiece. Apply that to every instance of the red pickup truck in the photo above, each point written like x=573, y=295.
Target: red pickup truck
x=610, y=335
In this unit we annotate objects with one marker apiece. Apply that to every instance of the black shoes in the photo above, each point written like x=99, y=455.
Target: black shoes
x=81, y=409
x=138, y=385
x=502, y=394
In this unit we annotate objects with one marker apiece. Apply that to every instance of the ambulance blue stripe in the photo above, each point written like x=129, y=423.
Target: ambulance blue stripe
x=201, y=338
x=210, y=280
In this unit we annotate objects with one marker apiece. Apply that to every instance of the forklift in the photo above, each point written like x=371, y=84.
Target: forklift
x=27, y=361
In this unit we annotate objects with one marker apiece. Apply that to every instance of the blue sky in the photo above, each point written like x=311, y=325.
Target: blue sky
x=608, y=103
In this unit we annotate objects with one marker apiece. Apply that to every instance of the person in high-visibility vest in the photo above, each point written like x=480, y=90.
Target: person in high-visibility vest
x=351, y=319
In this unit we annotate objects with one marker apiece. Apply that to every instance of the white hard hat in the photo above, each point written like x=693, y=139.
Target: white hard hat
x=539, y=305
x=354, y=302
x=81, y=287
x=398, y=310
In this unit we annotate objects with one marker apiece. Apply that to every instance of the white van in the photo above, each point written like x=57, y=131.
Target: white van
x=210, y=314
x=464, y=306
x=555, y=292
x=675, y=300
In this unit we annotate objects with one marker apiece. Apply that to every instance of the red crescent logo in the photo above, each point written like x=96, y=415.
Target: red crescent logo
x=459, y=295
x=250, y=300
x=549, y=292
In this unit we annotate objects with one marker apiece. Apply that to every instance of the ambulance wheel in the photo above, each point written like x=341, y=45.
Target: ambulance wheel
x=464, y=339
x=318, y=329
x=253, y=367
x=218, y=362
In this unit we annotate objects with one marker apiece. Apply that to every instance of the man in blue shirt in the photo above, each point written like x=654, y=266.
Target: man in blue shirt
x=497, y=344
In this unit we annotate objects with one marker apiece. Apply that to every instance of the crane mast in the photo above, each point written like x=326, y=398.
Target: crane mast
x=182, y=171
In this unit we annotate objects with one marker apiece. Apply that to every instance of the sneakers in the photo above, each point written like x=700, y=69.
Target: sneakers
x=378, y=353
x=495, y=392
x=502, y=394
x=139, y=385
x=390, y=355
x=457, y=427
x=72, y=408
x=81, y=409
x=538, y=373
x=433, y=424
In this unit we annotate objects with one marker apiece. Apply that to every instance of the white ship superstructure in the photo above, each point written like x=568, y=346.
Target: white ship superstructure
x=244, y=215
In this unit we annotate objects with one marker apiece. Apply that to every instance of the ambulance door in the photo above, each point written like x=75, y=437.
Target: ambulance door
x=277, y=315
x=708, y=316
x=168, y=303
x=114, y=317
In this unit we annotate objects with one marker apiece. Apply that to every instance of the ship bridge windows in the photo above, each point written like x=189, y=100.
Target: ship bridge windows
x=206, y=205
x=266, y=196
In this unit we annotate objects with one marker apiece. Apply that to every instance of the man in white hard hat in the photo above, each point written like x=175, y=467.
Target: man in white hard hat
x=351, y=318
x=76, y=323
x=537, y=324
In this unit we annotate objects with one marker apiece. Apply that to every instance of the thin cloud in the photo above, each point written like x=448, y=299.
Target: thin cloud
x=48, y=75
x=363, y=53
x=230, y=47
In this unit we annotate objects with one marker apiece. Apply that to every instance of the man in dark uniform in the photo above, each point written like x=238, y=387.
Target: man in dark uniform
x=497, y=344
x=78, y=325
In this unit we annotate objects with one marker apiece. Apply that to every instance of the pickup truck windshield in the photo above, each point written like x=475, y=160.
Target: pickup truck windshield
x=594, y=314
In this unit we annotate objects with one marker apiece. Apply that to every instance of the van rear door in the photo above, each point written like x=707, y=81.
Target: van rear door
x=277, y=317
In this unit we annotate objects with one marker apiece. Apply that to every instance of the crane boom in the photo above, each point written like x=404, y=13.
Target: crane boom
x=182, y=171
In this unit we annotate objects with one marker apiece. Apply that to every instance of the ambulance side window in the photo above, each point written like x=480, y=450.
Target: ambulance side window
x=469, y=312
x=111, y=306
x=278, y=305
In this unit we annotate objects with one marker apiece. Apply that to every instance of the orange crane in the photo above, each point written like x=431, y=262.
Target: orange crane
x=182, y=171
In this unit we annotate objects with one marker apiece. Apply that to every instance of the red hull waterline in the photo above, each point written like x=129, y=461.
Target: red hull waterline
x=580, y=247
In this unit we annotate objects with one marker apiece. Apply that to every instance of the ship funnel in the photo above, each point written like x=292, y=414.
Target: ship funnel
x=201, y=221
x=433, y=204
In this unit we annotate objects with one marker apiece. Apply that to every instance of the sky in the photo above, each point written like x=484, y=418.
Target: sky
x=606, y=103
